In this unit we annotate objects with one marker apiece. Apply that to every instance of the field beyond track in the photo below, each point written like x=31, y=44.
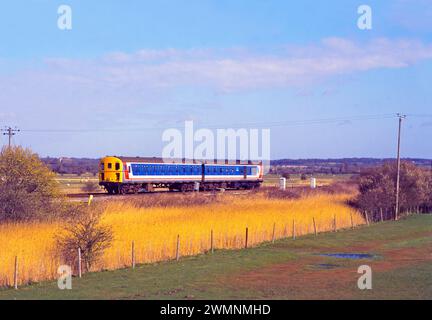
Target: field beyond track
x=288, y=269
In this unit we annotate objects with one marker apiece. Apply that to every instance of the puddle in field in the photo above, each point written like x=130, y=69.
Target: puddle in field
x=354, y=256
x=325, y=266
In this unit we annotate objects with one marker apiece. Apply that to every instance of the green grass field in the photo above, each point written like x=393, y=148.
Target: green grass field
x=288, y=269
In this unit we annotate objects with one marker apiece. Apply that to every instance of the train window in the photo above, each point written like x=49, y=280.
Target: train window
x=102, y=166
x=109, y=165
x=117, y=166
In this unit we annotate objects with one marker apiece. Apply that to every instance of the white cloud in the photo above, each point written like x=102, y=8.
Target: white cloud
x=240, y=69
x=91, y=90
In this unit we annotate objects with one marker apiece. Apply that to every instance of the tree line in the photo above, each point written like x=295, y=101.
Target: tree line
x=377, y=190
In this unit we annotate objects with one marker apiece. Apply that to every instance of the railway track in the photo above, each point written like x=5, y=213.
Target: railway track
x=105, y=196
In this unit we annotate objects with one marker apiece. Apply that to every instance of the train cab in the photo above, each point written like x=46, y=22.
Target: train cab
x=110, y=173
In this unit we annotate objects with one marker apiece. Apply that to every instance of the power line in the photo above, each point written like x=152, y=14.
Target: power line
x=8, y=131
x=419, y=115
x=235, y=125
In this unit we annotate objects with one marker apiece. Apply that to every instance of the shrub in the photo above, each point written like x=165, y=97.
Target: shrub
x=28, y=190
x=84, y=231
x=286, y=175
x=377, y=188
x=90, y=186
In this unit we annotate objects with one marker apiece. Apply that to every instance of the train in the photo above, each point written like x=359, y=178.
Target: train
x=123, y=175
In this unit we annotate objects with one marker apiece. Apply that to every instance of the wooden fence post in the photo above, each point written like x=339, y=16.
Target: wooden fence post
x=314, y=225
x=247, y=237
x=293, y=230
x=16, y=273
x=178, y=248
x=133, y=254
x=211, y=241
x=79, y=263
x=352, y=222
x=334, y=223
x=381, y=215
x=367, y=218
x=273, y=235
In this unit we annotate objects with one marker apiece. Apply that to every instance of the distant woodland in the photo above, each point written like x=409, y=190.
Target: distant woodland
x=82, y=166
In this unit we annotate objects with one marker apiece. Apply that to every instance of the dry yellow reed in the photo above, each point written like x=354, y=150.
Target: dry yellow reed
x=154, y=231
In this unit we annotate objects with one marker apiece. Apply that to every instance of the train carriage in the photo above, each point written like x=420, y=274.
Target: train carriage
x=119, y=175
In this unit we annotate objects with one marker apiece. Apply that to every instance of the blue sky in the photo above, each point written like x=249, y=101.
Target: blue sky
x=127, y=70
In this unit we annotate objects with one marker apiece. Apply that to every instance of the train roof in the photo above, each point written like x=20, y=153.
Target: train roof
x=178, y=160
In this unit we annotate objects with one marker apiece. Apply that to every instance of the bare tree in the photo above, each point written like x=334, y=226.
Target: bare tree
x=85, y=231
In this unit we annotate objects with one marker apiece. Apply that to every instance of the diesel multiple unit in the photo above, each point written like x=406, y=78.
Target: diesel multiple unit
x=120, y=175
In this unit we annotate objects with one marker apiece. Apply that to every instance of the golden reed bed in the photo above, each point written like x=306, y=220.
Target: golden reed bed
x=154, y=230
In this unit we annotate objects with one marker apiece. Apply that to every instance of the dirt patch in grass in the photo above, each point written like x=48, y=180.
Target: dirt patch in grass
x=296, y=279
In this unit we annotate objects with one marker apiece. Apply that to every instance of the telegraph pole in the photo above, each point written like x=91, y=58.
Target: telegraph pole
x=8, y=131
x=401, y=117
